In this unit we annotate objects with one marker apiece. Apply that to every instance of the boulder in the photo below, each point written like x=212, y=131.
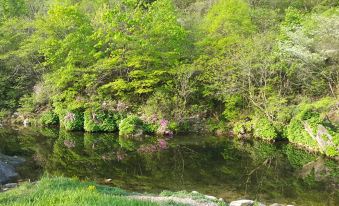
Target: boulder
x=7, y=170
x=11, y=160
x=245, y=203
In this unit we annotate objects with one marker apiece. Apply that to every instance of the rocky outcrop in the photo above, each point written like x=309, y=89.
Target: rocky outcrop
x=7, y=167
x=322, y=137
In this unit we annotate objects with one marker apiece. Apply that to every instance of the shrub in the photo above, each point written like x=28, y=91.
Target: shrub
x=101, y=121
x=150, y=128
x=49, y=118
x=219, y=127
x=131, y=126
x=72, y=120
x=260, y=127
x=263, y=128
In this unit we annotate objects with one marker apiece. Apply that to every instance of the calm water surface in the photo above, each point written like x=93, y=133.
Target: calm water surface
x=222, y=167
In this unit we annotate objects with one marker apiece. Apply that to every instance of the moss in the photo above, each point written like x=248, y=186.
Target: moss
x=101, y=121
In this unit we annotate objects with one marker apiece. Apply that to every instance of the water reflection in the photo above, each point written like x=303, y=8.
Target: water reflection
x=218, y=166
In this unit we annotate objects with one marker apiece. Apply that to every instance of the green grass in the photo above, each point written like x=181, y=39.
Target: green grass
x=67, y=192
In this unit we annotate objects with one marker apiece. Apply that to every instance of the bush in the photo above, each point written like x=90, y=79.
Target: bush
x=150, y=128
x=131, y=126
x=101, y=121
x=72, y=120
x=49, y=118
x=219, y=127
x=260, y=127
x=263, y=128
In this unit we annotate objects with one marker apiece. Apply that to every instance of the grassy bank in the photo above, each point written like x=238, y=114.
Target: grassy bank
x=68, y=192
x=64, y=191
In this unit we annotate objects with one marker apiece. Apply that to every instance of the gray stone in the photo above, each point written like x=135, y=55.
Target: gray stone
x=10, y=185
x=245, y=203
x=7, y=172
x=13, y=161
x=211, y=197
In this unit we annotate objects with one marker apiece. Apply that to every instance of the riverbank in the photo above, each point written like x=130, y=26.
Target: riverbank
x=65, y=191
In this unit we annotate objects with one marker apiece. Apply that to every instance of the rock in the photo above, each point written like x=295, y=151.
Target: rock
x=7, y=172
x=108, y=180
x=195, y=192
x=276, y=204
x=245, y=203
x=10, y=185
x=13, y=161
x=211, y=197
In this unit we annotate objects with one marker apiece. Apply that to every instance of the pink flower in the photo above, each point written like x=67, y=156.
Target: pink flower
x=162, y=144
x=163, y=123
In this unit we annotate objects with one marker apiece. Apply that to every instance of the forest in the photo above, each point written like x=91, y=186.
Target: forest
x=266, y=69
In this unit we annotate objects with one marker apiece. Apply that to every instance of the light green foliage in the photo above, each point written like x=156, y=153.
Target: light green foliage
x=226, y=22
x=263, y=128
x=101, y=121
x=68, y=40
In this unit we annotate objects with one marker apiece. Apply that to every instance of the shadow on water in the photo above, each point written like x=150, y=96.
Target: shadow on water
x=223, y=167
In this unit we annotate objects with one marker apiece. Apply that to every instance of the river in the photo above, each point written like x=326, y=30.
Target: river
x=223, y=167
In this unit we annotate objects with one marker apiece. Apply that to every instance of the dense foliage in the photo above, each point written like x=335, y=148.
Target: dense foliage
x=197, y=65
